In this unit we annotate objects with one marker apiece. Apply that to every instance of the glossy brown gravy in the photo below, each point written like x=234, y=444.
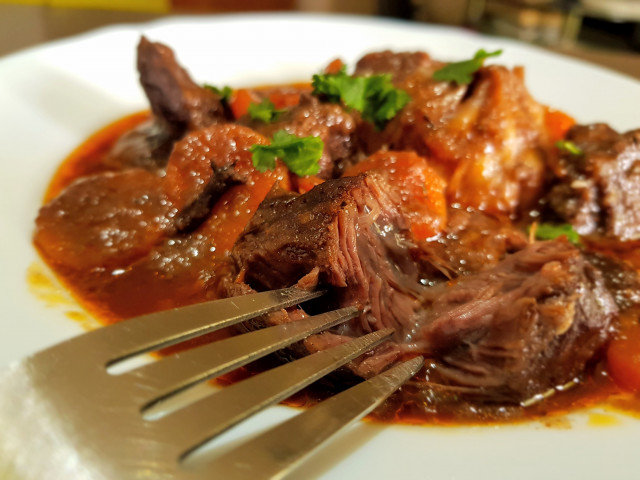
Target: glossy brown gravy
x=113, y=295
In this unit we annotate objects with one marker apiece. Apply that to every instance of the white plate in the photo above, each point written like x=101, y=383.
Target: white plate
x=53, y=97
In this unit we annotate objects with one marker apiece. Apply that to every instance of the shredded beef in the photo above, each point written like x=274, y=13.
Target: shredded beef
x=521, y=324
x=352, y=232
x=529, y=324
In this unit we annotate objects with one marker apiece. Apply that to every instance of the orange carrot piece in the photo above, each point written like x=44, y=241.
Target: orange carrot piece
x=623, y=357
x=558, y=124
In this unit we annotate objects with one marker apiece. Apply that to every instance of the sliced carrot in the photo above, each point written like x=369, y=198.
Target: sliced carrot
x=240, y=101
x=335, y=66
x=418, y=186
x=284, y=99
x=558, y=124
x=307, y=183
x=232, y=212
x=623, y=358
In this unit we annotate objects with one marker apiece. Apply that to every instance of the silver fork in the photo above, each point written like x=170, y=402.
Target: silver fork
x=63, y=415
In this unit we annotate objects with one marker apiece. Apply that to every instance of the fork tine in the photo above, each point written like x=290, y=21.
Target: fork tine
x=160, y=379
x=162, y=329
x=199, y=422
x=282, y=448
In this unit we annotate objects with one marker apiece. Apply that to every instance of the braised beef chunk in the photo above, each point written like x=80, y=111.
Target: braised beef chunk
x=178, y=105
x=176, y=100
x=351, y=231
x=529, y=324
x=432, y=103
x=489, y=137
x=105, y=220
x=345, y=233
x=203, y=165
x=472, y=241
x=399, y=65
x=330, y=122
x=599, y=190
x=147, y=146
x=505, y=331
x=621, y=279
x=109, y=219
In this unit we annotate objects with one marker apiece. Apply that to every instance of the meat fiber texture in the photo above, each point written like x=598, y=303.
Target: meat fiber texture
x=347, y=233
x=504, y=333
x=529, y=324
x=499, y=318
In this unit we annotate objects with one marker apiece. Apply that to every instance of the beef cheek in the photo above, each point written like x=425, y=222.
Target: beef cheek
x=352, y=232
x=529, y=324
x=203, y=165
x=400, y=65
x=599, y=190
x=329, y=122
x=178, y=105
x=176, y=100
x=488, y=138
x=113, y=218
x=504, y=332
x=105, y=220
x=348, y=234
x=472, y=241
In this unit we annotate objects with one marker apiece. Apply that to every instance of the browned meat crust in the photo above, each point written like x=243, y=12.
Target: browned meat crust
x=599, y=191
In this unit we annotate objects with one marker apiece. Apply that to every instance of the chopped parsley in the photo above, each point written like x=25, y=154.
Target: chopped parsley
x=569, y=146
x=462, y=72
x=374, y=96
x=224, y=92
x=301, y=155
x=264, y=111
x=548, y=231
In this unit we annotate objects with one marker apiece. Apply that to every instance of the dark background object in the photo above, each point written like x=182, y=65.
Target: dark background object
x=606, y=32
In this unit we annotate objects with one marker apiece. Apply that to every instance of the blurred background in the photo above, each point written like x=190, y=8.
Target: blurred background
x=606, y=32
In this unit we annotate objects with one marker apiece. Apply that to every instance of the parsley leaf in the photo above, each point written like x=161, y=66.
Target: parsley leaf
x=331, y=84
x=224, y=92
x=301, y=155
x=462, y=72
x=264, y=111
x=548, y=231
x=569, y=146
x=374, y=96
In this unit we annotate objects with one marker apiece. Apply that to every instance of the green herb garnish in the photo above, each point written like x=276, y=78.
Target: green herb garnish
x=569, y=146
x=548, y=231
x=301, y=155
x=224, y=92
x=264, y=111
x=374, y=96
x=462, y=72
